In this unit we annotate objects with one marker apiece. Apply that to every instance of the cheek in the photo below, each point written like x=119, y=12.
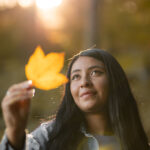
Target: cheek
x=74, y=90
x=102, y=87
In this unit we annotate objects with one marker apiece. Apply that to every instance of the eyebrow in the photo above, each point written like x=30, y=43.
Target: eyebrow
x=92, y=67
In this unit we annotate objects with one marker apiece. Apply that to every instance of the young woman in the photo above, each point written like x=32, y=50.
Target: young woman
x=98, y=111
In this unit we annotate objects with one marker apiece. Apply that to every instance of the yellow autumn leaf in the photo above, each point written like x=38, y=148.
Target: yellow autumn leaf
x=44, y=70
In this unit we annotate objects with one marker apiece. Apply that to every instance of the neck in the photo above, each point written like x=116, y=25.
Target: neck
x=98, y=124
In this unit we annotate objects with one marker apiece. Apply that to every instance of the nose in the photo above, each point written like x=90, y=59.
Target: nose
x=85, y=82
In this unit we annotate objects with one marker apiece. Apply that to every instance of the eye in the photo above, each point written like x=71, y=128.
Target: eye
x=96, y=73
x=75, y=77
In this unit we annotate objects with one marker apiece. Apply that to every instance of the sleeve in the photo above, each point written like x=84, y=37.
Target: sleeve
x=4, y=145
x=29, y=143
x=37, y=140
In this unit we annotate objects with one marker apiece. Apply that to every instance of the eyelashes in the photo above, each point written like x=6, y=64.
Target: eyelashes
x=94, y=73
x=75, y=77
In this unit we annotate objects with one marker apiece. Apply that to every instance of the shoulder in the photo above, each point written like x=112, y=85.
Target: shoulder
x=40, y=136
x=44, y=129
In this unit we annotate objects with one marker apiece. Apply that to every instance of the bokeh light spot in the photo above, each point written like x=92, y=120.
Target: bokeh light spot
x=25, y=3
x=47, y=4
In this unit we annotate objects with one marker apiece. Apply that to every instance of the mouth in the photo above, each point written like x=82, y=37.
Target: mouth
x=87, y=94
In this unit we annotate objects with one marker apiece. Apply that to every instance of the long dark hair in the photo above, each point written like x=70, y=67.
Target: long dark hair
x=122, y=109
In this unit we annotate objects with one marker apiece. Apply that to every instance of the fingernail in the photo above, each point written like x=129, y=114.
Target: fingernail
x=33, y=92
x=30, y=82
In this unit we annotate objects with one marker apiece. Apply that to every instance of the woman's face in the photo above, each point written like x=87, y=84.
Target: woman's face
x=89, y=84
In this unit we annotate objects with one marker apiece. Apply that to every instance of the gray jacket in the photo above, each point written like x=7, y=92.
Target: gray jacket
x=37, y=140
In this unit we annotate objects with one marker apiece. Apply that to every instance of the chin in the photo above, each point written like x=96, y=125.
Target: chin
x=89, y=109
x=93, y=109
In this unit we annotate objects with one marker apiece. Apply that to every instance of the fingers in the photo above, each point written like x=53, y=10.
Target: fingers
x=28, y=93
x=18, y=92
x=16, y=105
x=21, y=95
x=23, y=85
x=19, y=88
x=16, y=96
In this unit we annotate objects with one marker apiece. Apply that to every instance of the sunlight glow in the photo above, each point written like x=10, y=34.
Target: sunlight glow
x=25, y=3
x=48, y=14
x=51, y=19
x=47, y=4
x=46, y=11
x=8, y=3
x=1, y=3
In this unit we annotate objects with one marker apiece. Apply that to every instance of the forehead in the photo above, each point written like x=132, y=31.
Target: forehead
x=84, y=62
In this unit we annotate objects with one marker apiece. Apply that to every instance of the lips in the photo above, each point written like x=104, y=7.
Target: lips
x=87, y=93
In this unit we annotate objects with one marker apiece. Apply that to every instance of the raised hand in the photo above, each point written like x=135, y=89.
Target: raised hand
x=15, y=108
